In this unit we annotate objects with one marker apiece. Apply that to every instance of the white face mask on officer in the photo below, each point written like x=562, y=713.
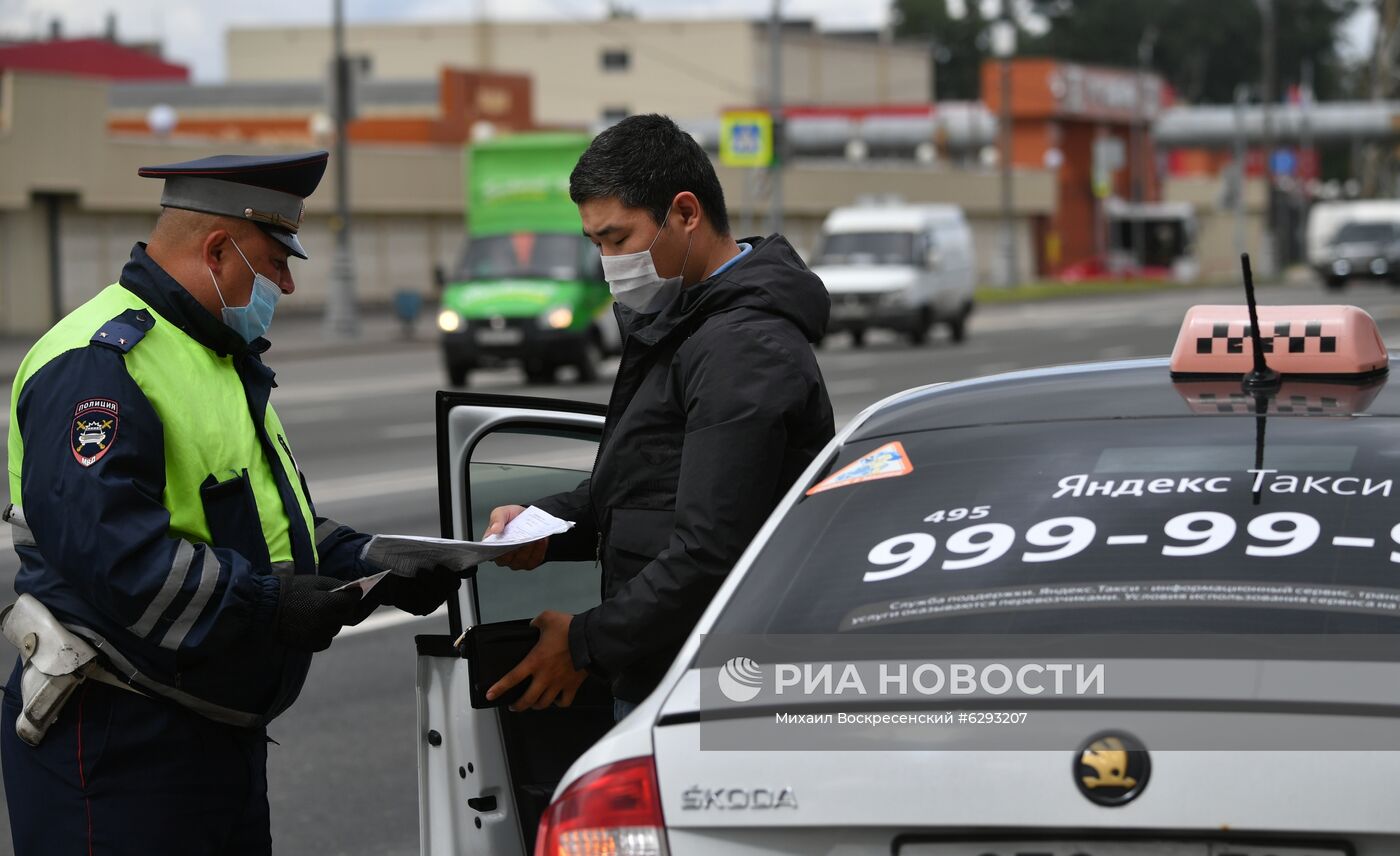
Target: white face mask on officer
x=634, y=282
x=252, y=320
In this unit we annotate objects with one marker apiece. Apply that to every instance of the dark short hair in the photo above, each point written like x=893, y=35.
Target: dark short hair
x=644, y=161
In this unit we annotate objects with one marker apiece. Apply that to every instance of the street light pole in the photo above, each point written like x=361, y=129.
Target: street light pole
x=775, y=112
x=1305, y=149
x=1266, y=97
x=1004, y=46
x=1241, y=100
x=340, y=320
x=1140, y=153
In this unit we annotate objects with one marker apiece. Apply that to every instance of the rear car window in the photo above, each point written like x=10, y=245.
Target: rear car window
x=1172, y=525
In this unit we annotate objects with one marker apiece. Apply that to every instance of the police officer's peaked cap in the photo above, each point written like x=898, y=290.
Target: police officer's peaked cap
x=269, y=190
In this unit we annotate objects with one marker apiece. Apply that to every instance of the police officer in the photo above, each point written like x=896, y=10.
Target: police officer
x=162, y=523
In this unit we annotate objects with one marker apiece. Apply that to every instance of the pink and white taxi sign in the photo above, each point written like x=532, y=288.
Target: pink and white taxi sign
x=1306, y=340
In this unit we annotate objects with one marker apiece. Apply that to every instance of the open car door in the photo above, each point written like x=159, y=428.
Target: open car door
x=485, y=775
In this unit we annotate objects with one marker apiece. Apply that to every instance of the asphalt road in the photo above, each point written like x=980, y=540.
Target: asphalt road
x=343, y=779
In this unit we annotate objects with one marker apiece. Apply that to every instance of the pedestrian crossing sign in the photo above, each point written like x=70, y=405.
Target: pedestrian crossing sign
x=746, y=138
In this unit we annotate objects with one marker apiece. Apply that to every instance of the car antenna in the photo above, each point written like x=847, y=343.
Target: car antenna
x=1262, y=378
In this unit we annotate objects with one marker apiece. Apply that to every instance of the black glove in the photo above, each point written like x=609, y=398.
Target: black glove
x=310, y=613
x=419, y=594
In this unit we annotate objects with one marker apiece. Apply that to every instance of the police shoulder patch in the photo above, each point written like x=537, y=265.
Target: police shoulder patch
x=94, y=429
x=123, y=332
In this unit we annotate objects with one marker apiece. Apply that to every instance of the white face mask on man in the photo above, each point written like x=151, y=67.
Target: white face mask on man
x=634, y=282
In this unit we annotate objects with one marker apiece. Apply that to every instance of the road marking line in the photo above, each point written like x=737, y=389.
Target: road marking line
x=849, y=387
x=409, y=432
x=1127, y=539
x=298, y=392
x=426, y=478
x=357, y=389
x=373, y=485
x=854, y=362
x=386, y=618
x=1344, y=541
x=294, y=415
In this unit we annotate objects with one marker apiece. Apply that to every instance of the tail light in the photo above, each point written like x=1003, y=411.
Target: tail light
x=612, y=811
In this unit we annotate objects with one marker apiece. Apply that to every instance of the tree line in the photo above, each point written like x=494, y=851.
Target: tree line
x=1203, y=48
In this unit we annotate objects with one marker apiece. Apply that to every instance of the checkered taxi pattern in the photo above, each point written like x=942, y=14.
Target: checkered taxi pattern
x=1299, y=337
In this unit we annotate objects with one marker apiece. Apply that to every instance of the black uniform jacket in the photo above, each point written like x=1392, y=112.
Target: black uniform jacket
x=718, y=406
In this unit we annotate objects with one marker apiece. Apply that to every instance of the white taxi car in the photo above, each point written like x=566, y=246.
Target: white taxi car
x=1145, y=608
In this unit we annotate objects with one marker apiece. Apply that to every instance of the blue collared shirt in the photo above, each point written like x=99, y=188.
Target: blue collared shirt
x=744, y=249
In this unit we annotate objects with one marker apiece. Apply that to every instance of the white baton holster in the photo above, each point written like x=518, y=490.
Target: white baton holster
x=56, y=660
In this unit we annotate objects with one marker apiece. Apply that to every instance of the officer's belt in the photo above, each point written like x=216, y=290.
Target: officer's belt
x=23, y=537
x=56, y=661
x=98, y=672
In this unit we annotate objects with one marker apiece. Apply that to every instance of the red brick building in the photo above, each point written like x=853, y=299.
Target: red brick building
x=1060, y=114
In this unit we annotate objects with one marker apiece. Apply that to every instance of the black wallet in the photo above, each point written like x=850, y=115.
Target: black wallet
x=492, y=650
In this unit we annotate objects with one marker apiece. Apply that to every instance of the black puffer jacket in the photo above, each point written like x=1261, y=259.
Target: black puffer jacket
x=718, y=406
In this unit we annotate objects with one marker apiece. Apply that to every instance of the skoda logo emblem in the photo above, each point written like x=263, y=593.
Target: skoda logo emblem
x=1111, y=768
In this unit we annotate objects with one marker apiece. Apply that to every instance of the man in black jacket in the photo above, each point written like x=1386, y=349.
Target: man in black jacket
x=718, y=406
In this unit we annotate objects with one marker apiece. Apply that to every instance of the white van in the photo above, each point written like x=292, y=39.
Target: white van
x=1325, y=219
x=901, y=267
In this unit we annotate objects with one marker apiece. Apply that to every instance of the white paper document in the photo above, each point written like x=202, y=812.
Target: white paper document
x=406, y=554
x=532, y=524
x=364, y=583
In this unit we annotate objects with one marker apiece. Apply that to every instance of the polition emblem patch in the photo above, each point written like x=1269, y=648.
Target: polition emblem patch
x=94, y=429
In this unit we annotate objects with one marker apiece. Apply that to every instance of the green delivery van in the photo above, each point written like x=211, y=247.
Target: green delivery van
x=527, y=288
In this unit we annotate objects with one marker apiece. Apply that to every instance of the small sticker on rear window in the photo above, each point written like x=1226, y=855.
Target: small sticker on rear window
x=887, y=462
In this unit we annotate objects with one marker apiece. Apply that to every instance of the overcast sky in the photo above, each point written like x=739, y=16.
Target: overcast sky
x=193, y=30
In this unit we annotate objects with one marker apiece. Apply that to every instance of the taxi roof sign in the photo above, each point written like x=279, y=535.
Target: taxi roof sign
x=1328, y=341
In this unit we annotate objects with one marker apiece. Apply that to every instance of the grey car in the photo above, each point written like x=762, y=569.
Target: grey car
x=1363, y=251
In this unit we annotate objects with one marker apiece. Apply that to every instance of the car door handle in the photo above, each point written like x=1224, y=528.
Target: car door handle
x=482, y=804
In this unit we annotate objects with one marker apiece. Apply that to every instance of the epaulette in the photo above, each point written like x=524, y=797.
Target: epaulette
x=123, y=332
